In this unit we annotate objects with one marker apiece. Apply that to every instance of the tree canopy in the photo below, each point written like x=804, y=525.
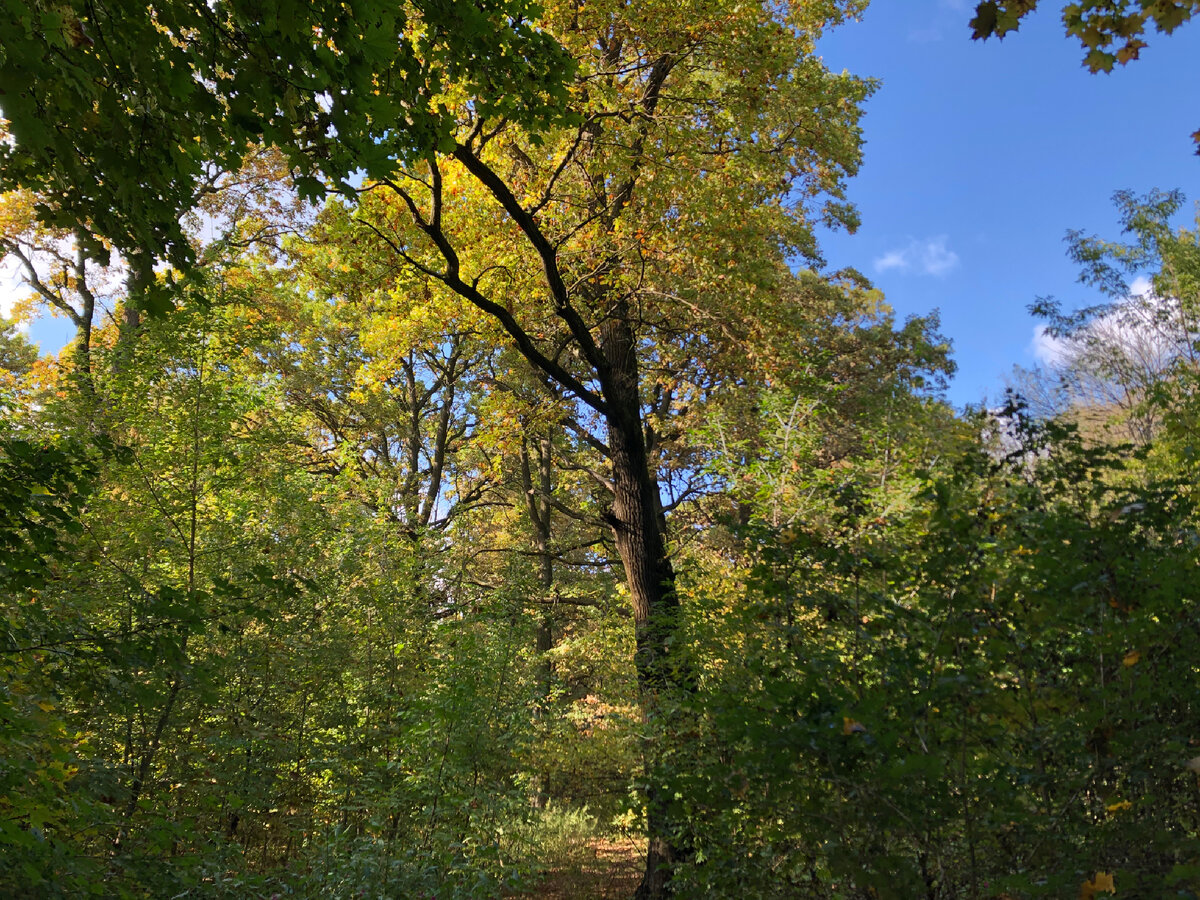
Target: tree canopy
x=122, y=114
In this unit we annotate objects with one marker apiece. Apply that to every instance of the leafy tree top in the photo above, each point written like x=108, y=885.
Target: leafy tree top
x=121, y=114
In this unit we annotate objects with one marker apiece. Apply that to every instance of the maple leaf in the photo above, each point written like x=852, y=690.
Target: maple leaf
x=1168, y=17
x=1099, y=61
x=1130, y=51
x=999, y=17
x=983, y=25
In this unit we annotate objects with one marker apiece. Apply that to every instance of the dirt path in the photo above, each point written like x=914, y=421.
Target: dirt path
x=611, y=871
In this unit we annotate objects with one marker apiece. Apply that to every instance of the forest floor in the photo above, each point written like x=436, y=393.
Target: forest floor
x=606, y=870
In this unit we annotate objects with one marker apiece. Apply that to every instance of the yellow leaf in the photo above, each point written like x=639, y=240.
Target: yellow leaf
x=1132, y=658
x=45, y=705
x=1102, y=883
x=1119, y=806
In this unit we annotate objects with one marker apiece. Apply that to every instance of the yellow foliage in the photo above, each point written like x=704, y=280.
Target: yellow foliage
x=1102, y=883
x=16, y=213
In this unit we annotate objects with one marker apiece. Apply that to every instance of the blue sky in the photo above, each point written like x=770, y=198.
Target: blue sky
x=980, y=156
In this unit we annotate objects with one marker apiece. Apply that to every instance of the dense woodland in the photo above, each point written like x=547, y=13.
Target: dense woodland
x=420, y=504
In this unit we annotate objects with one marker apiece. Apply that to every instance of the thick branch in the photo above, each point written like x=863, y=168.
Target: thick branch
x=545, y=251
x=452, y=278
x=35, y=281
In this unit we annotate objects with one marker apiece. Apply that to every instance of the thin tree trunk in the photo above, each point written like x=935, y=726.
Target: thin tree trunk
x=538, y=503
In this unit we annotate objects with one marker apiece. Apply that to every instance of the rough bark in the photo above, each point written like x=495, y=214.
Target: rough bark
x=639, y=532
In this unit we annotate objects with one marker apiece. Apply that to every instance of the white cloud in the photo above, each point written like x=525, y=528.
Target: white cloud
x=1047, y=349
x=930, y=256
x=1141, y=287
x=1146, y=328
x=893, y=259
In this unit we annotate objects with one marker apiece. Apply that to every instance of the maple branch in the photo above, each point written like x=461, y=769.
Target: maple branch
x=560, y=168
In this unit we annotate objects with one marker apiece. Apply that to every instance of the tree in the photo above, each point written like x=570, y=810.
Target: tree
x=122, y=114
x=17, y=354
x=55, y=266
x=1131, y=358
x=614, y=254
x=44, y=485
x=1108, y=372
x=1111, y=31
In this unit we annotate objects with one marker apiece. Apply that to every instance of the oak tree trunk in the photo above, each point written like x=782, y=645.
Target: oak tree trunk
x=639, y=531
